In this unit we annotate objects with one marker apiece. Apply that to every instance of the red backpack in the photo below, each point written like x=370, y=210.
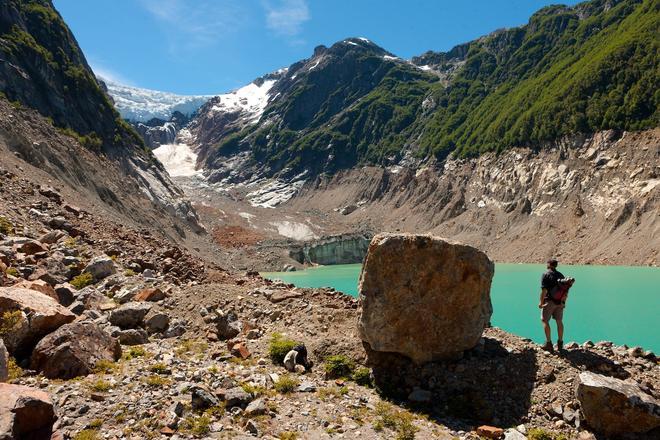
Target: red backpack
x=560, y=291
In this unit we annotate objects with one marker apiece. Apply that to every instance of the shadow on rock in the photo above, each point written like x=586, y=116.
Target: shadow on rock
x=595, y=363
x=488, y=385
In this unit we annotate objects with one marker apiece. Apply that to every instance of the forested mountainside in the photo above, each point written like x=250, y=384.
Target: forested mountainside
x=42, y=67
x=570, y=70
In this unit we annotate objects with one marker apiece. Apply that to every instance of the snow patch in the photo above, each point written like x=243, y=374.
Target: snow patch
x=389, y=57
x=178, y=159
x=295, y=230
x=314, y=66
x=251, y=99
x=425, y=67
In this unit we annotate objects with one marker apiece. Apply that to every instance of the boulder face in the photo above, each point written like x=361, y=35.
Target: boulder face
x=614, y=407
x=73, y=350
x=4, y=362
x=423, y=297
x=25, y=413
x=40, y=315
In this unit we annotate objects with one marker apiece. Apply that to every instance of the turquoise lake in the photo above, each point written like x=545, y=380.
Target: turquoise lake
x=614, y=303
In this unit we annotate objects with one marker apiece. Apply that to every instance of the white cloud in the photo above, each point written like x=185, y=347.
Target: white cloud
x=286, y=17
x=109, y=74
x=198, y=25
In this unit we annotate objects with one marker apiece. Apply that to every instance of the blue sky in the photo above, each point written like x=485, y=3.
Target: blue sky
x=213, y=46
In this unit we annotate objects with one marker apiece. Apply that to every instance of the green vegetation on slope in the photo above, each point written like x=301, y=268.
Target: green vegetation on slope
x=557, y=76
x=570, y=70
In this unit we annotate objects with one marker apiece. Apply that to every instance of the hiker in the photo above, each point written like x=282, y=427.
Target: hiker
x=554, y=291
x=297, y=356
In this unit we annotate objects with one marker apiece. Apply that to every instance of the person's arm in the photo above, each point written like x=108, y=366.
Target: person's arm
x=542, y=298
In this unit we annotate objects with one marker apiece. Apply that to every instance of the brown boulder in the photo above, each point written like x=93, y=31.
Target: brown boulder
x=614, y=407
x=150, y=294
x=40, y=315
x=73, y=350
x=25, y=413
x=32, y=247
x=39, y=286
x=423, y=297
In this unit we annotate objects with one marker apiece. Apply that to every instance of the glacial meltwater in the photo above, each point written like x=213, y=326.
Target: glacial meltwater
x=613, y=303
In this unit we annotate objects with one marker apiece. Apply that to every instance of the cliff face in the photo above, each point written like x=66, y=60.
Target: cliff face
x=340, y=249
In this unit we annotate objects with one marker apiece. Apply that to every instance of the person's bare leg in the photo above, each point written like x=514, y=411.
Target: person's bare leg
x=548, y=335
x=560, y=334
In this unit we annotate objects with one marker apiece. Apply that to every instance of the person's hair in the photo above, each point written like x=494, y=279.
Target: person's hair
x=552, y=262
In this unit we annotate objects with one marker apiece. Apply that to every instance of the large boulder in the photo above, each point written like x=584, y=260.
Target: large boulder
x=423, y=297
x=38, y=315
x=25, y=413
x=129, y=315
x=39, y=286
x=227, y=325
x=613, y=407
x=4, y=362
x=73, y=350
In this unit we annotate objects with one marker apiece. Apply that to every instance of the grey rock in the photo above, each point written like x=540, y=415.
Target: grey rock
x=512, y=434
x=613, y=407
x=129, y=315
x=101, y=267
x=306, y=387
x=77, y=307
x=256, y=408
x=202, y=399
x=227, y=325
x=237, y=397
x=157, y=322
x=133, y=337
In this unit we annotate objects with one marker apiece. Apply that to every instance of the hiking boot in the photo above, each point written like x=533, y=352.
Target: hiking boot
x=548, y=347
x=560, y=345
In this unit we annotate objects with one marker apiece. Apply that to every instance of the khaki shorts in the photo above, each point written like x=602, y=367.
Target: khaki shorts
x=552, y=310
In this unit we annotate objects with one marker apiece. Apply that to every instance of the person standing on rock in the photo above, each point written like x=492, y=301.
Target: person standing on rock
x=551, y=308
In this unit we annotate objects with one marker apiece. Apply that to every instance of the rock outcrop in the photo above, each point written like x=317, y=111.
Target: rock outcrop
x=25, y=413
x=4, y=362
x=423, y=297
x=73, y=350
x=129, y=315
x=38, y=315
x=614, y=407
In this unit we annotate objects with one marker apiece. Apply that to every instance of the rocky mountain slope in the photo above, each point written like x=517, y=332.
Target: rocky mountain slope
x=75, y=135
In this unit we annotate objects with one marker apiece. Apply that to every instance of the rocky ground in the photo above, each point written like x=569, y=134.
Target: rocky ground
x=195, y=359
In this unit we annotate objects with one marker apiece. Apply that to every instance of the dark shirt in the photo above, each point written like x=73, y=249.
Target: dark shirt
x=550, y=280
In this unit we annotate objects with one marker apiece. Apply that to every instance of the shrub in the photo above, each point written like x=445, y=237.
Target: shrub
x=96, y=423
x=279, y=347
x=82, y=280
x=542, y=434
x=14, y=370
x=191, y=346
x=338, y=366
x=100, y=386
x=87, y=434
x=129, y=273
x=159, y=368
x=105, y=366
x=13, y=272
x=197, y=425
x=399, y=421
x=286, y=384
x=9, y=320
x=6, y=227
x=362, y=376
x=288, y=435
x=156, y=381
x=134, y=352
